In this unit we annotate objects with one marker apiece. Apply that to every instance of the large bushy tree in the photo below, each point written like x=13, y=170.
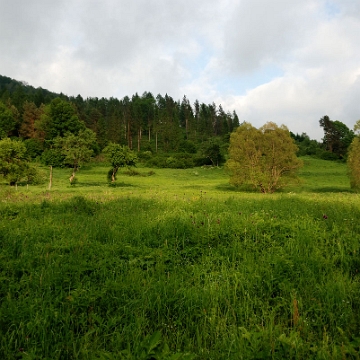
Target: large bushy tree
x=353, y=160
x=14, y=165
x=264, y=158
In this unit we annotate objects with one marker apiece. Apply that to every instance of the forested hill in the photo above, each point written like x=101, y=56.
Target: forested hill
x=143, y=122
x=20, y=91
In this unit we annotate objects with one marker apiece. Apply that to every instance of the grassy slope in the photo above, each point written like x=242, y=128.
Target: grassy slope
x=180, y=263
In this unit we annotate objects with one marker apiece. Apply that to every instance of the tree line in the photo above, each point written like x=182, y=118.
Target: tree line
x=143, y=123
x=67, y=131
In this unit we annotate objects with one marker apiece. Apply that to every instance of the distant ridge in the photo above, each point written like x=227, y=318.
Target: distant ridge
x=21, y=89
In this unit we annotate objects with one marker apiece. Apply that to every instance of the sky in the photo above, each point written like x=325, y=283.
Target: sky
x=286, y=61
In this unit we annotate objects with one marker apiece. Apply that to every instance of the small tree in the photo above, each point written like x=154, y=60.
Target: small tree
x=13, y=161
x=119, y=156
x=353, y=160
x=264, y=158
x=211, y=150
x=76, y=149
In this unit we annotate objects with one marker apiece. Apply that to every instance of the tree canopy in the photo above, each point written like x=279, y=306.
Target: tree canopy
x=337, y=136
x=353, y=160
x=263, y=158
x=14, y=164
x=76, y=149
x=119, y=156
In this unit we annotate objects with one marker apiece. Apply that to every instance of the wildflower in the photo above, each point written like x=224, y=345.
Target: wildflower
x=325, y=216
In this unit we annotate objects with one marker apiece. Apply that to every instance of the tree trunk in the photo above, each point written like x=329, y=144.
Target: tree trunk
x=51, y=175
x=139, y=139
x=156, y=141
x=113, y=175
x=72, y=177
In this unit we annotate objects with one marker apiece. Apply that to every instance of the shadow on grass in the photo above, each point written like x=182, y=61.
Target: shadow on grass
x=102, y=184
x=88, y=184
x=331, y=189
x=240, y=189
x=121, y=184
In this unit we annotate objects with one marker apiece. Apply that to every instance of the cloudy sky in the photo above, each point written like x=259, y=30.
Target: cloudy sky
x=286, y=61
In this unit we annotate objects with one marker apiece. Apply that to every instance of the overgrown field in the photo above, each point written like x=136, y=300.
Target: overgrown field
x=179, y=265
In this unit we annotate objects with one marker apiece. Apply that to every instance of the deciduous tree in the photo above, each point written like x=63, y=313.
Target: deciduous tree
x=13, y=161
x=353, y=159
x=119, y=156
x=264, y=158
x=76, y=149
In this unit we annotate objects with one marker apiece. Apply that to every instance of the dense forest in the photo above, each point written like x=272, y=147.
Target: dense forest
x=157, y=128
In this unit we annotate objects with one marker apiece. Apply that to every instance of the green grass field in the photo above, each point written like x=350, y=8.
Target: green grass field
x=180, y=265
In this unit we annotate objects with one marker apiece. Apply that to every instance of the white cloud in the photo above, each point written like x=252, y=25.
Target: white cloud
x=208, y=50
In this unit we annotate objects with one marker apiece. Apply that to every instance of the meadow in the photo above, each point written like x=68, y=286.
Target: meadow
x=178, y=264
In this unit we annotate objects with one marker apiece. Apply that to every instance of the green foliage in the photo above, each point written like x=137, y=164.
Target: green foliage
x=353, y=160
x=212, y=150
x=7, y=121
x=337, y=136
x=76, y=149
x=187, y=146
x=118, y=156
x=264, y=158
x=307, y=146
x=13, y=161
x=53, y=157
x=58, y=119
x=34, y=148
x=173, y=161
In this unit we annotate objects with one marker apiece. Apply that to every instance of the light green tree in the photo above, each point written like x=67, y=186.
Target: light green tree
x=118, y=156
x=76, y=149
x=263, y=158
x=353, y=159
x=13, y=161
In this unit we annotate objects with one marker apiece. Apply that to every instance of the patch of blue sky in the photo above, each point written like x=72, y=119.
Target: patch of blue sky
x=331, y=9
x=197, y=64
x=240, y=84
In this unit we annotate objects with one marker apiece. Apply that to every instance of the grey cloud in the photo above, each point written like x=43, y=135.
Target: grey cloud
x=198, y=48
x=30, y=29
x=114, y=32
x=262, y=31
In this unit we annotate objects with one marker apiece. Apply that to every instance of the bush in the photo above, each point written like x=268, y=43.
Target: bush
x=187, y=146
x=144, y=155
x=327, y=155
x=175, y=161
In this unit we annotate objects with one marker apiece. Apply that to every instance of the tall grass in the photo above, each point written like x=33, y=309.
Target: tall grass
x=204, y=272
